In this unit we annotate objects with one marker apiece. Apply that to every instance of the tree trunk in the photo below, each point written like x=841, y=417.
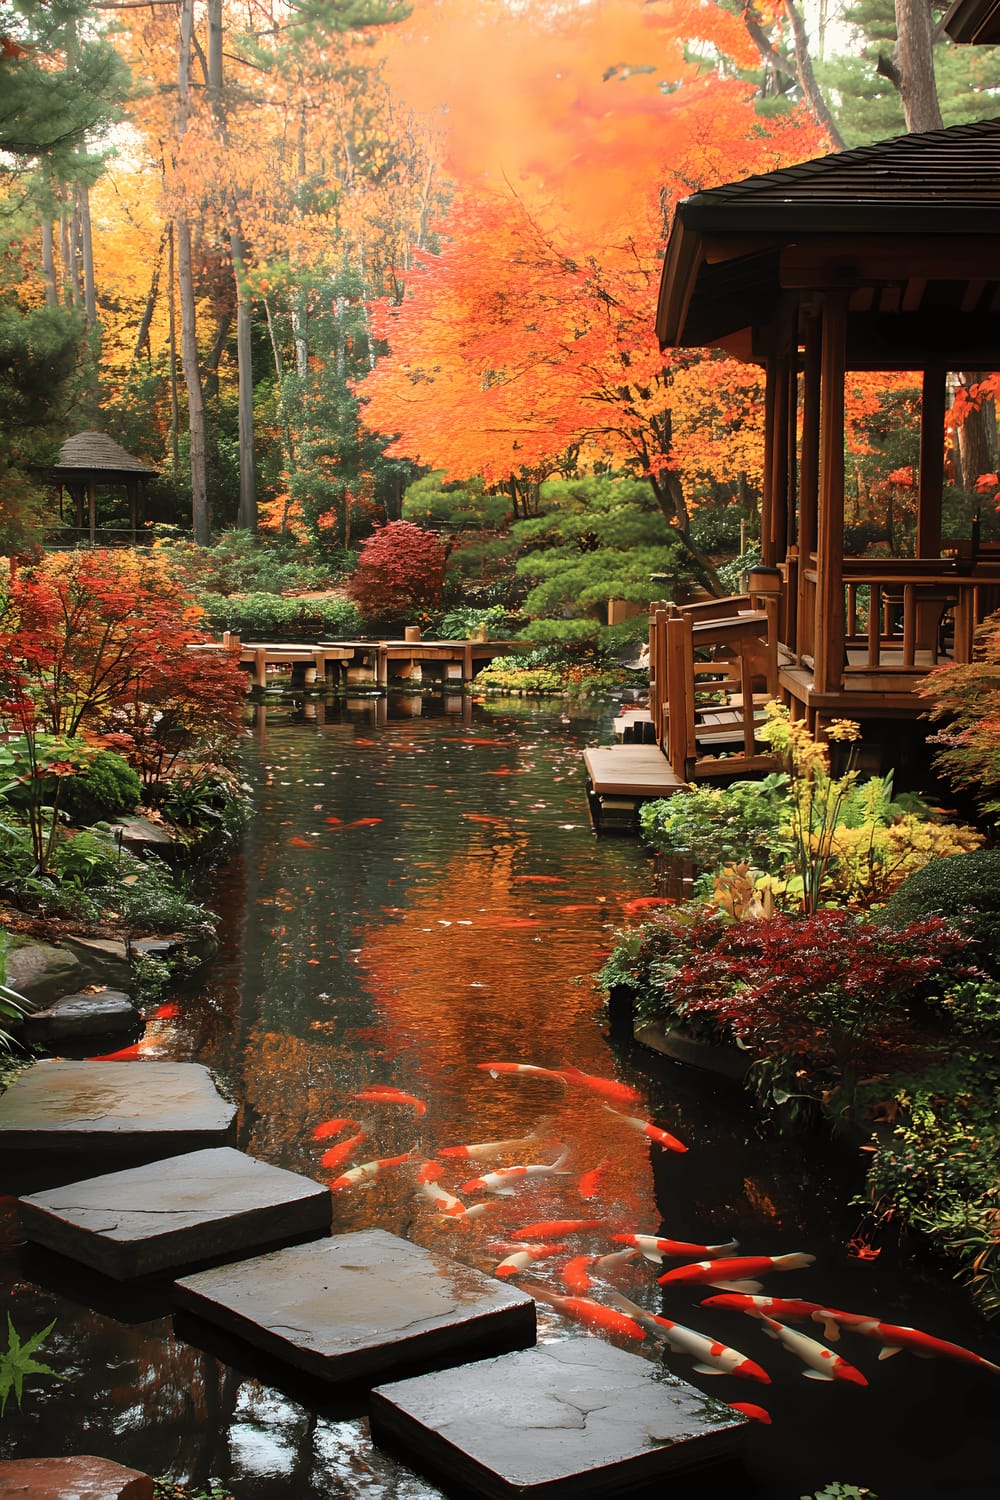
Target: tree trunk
x=185, y=283
x=915, y=62
x=142, y=336
x=86, y=256
x=807, y=78
x=175, y=409
x=49, y=264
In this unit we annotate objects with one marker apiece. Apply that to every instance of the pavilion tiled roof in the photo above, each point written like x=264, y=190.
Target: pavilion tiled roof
x=95, y=453
x=934, y=183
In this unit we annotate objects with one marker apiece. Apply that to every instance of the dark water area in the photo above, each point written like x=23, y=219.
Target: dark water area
x=416, y=895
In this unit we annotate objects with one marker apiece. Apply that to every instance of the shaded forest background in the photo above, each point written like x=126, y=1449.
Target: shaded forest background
x=346, y=262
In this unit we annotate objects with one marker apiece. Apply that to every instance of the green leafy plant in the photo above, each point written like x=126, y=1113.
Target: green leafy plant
x=713, y=826
x=262, y=616
x=838, y=1491
x=17, y=1363
x=965, y=888
x=214, y=1489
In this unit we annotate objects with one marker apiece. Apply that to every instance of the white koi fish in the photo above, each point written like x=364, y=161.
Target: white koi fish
x=711, y=1357
x=895, y=1338
x=495, y=1069
x=606, y=1265
x=503, y=1181
x=369, y=1170
x=487, y=1150
x=523, y=1257
x=822, y=1363
x=657, y=1249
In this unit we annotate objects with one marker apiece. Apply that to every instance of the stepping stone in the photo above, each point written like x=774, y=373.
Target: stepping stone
x=83, y=1014
x=357, y=1306
x=562, y=1421
x=77, y=1478
x=176, y=1212
x=58, y=1112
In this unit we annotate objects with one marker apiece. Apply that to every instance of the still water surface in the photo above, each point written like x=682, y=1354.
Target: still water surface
x=417, y=895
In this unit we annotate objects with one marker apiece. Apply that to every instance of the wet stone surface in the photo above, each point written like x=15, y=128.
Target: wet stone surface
x=83, y=1014
x=78, y=1478
x=358, y=1306
x=564, y=1420
x=63, y=1117
x=176, y=1212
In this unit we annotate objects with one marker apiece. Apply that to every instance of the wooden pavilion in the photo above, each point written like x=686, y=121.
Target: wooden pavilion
x=92, y=461
x=882, y=258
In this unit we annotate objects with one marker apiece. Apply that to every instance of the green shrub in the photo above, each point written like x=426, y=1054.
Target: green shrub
x=267, y=616
x=964, y=888
x=107, y=788
x=87, y=859
x=713, y=826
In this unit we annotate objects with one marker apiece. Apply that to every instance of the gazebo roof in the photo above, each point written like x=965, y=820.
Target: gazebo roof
x=922, y=207
x=98, y=456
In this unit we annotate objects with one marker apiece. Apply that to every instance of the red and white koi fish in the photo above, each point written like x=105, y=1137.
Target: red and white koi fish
x=787, y=1309
x=822, y=1363
x=657, y=1249
x=748, y=1409
x=549, y=1227
x=594, y=1314
x=521, y=1259
x=895, y=1338
x=333, y=1127
x=495, y=1069
x=574, y=1274
x=647, y=1128
x=733, y=1274
x=379, y=1094
x=342, y=1151
x=504, y=1179
x=711, y=1357
x=487, y=1150
x=369, y=1170
x=589, y=1184
x=609, y=1087
x=443, y=1201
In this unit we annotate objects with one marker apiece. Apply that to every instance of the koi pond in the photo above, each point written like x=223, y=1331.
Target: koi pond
x=420, y=893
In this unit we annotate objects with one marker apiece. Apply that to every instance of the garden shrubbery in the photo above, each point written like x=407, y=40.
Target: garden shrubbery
x=262, y=616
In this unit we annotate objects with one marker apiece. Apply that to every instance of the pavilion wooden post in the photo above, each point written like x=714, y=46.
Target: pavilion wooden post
x=829, y=641
x=931, y=475
x=808, y=486
x=92, y=511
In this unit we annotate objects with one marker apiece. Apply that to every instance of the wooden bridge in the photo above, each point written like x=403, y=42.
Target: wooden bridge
x=366, y=663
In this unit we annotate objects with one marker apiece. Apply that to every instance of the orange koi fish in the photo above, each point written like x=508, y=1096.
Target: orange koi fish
x=647, y=1128
x=496, y=1068
x=376, y=1094
x=296, y=843
x=486, y=1150
x=369, y=1170
x=124, y=1054
x=711, y=1357
x=732, y=1274
x=788, y=1309
x=607, y=1086
x=589, y=1183
x=821, y=1363
x=895, y=1338
x=520, y=1260
x=644, y=903
x=501, y=1182
x=550, y=1227
x=483, y=818
x=166, y=1012
x=333, y=1127
x=334, y=822
x=574, y=1275
x=363, y=823
x=594, y=1314
x=657, y=1250
x=747, y=1409
x=342, y=1151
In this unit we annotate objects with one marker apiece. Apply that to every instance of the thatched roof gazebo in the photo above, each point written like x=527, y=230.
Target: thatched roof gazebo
x=90, y=460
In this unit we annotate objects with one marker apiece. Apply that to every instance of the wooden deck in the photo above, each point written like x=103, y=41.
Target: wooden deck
x=361, y=663
x=621, y=777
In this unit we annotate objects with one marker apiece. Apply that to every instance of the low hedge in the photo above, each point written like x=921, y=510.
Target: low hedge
x=274, y=617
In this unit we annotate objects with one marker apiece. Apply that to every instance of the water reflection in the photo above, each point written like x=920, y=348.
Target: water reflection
x=418, y=895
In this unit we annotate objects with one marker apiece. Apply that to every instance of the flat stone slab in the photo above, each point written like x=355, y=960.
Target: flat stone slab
x=558, y=1422
x=355, y=1307
x=176, y=1212
x=84, y=1014
x=139, y=1109
x=77, y=1478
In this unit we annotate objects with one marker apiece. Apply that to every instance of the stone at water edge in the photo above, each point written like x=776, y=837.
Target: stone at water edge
x=93, y=1013
x=76, y=1478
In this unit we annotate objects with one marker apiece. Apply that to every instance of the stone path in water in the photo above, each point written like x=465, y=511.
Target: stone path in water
x=481, y=1409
